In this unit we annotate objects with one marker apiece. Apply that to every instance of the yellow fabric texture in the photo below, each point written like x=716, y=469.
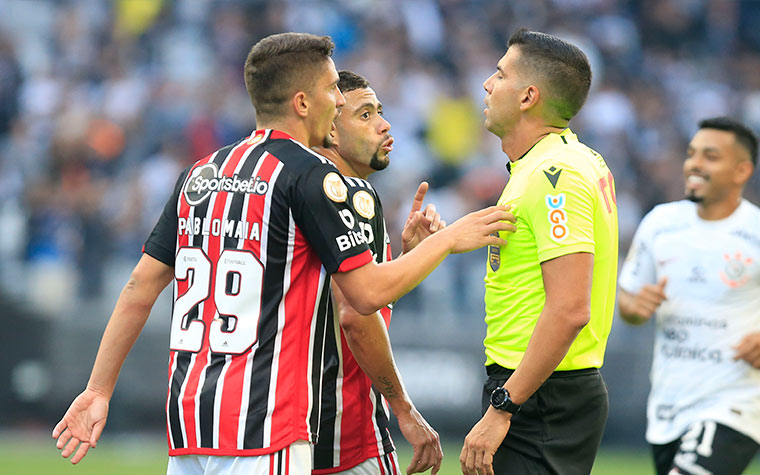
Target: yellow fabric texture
x=562, y=194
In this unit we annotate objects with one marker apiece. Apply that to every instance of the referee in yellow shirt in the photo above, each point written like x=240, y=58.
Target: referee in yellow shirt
x=550, y=291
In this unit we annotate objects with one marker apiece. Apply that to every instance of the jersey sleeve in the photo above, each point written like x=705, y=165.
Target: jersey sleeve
x=559, y=207
x=639, y=266
x=322, y=210
x=162, y=242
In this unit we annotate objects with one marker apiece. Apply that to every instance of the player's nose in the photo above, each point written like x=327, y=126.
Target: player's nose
x=385, y=126
x=487, y=84
x=340, y=99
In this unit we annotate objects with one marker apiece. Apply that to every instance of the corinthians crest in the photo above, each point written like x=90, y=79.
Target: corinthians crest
x=735, y=273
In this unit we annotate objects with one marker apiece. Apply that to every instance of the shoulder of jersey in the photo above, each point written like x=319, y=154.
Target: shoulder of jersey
x=359, y=184
x=363, y=197
x=673, y=207
x=293, y=153
x=754, y=209
x=671, y=212
x=551, y=167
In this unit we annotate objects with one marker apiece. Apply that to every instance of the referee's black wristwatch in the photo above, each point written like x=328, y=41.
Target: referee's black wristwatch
x=500, y=400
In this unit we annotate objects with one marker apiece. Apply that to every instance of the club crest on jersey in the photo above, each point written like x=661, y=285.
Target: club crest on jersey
x=557, y=216
x=206, y=179
x=364, y=204
x=735, y=274
x=334, y=187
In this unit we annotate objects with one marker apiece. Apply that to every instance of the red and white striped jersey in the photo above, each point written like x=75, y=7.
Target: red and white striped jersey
x=354, y=420
x=253, y=232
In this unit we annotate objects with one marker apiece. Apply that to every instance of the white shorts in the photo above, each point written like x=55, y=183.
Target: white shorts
x=383, y=465
x=292, y=460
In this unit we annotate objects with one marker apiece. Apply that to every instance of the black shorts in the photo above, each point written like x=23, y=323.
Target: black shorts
x=707, y=447
x=557, y=430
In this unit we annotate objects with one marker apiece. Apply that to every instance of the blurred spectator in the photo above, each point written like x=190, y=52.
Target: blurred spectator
x=102, y=104
x=10, y=83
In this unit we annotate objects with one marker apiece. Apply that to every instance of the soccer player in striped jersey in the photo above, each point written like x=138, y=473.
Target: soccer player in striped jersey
x=250, y=237
x=353, y=433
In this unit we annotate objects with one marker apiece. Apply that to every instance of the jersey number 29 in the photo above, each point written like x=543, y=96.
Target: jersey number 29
x=237, y=296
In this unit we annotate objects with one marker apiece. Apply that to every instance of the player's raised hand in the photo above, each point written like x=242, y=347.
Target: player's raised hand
x=424, y=441
x=749, y=349
x=420, y=224
x=81, y=425
x=480, y=228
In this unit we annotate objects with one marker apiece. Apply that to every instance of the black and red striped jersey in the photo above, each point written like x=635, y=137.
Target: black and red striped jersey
x=354, y=420
x=253, y=232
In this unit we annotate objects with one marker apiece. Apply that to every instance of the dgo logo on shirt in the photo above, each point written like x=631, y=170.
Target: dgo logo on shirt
x=557, y=216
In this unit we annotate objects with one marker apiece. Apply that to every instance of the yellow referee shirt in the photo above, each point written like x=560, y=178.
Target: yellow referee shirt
x=563, y=196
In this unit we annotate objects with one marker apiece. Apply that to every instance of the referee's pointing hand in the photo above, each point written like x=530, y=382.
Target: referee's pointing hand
x=480, y=228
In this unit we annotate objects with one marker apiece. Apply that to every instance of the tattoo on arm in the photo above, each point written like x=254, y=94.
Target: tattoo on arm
x=389, y=388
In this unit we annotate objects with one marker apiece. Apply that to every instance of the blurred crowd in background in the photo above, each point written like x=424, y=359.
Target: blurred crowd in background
x=102, y=104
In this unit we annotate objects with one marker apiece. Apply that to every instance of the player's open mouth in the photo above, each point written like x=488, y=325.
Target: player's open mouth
x=695, y=180
x=387, y=145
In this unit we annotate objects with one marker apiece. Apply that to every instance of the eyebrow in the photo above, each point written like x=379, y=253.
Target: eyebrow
x=367, y=104
x=498, y=68
x=707, y=149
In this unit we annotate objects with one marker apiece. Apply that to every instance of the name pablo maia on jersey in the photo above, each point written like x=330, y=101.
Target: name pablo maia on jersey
x=231, y=228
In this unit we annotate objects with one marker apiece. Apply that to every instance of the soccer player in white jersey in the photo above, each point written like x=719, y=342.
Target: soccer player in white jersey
x=695, y=265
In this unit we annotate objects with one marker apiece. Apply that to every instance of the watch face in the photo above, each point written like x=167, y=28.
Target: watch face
x=498, y=397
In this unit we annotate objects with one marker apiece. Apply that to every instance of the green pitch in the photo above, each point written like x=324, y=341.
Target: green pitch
x=137, y=455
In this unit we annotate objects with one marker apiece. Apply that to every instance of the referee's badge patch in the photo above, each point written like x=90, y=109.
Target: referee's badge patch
x=334, y=187
x=494, y=256
x=364, y=204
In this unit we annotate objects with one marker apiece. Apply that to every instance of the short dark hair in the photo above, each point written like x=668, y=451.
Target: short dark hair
x=282, y=64
x=744, y=136
x=350, y=81
x=562, y=66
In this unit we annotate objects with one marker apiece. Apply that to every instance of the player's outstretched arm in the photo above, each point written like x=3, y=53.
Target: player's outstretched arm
x=81, y=426
x=420, y=223
x=638, y=308
x=372, y=286
x=368, y=340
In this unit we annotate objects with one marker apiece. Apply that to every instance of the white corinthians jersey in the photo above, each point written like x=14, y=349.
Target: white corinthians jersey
x=713, y=301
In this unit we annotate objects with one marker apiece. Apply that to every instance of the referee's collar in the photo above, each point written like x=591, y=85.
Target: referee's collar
x=550, y=140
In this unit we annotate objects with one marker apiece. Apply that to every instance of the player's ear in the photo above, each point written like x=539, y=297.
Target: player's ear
x=529, y=98
x=335, y=136
x=300, y=103
x=743, y=171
